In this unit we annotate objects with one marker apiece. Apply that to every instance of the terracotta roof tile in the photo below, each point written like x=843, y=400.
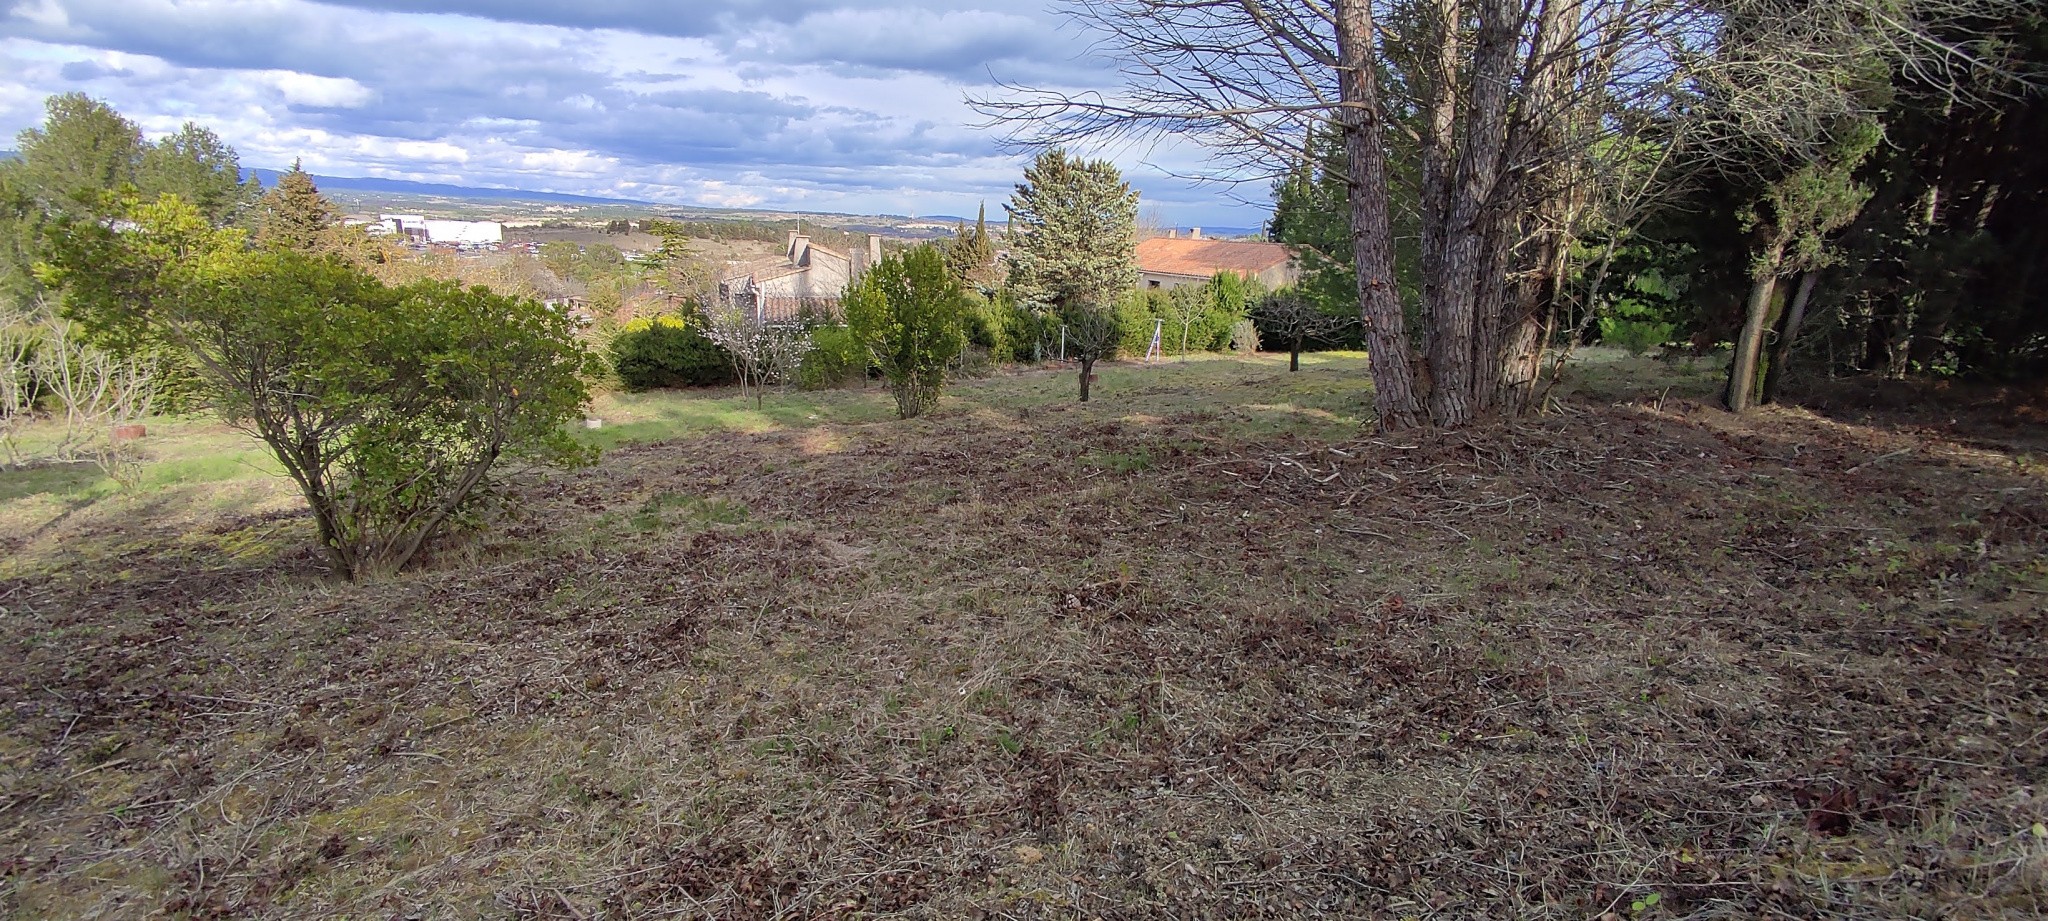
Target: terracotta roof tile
x=1203, y=258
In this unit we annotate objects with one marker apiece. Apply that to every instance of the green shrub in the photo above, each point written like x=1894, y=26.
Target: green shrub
x=1028, y=336
x=668, y=352
x=1135, y=313
x=1637, y=336
x=388, y=406
x=987, y=328
x=836, y=358
x=909, y=312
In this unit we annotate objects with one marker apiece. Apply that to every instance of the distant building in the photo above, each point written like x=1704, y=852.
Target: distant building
x=421, y=229
x=1168, y=262
x=777, y=289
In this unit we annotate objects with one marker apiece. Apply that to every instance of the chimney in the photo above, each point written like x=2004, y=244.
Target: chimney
x=1195, y=233
x=1173, y=233
x=800, y=248
x=789, y=248
x=874, y=250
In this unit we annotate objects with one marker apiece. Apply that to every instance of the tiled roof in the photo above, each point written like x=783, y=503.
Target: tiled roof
x=1203, y=258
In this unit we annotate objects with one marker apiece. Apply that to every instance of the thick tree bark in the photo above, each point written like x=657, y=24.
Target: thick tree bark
x=1468, y=261
x=1087, y=376
x=1439, y=144
x=1372, y=247
x=1788, y=333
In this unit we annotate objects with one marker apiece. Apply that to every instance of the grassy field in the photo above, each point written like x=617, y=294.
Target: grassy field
x=1204, y=648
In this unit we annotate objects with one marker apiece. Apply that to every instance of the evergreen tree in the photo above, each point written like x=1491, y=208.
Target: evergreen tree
x=1073, y=250
x=65, y=168
x=294, y=215
x=971, y=256
x=195, y=165
x=909, y=312
x=83, y=150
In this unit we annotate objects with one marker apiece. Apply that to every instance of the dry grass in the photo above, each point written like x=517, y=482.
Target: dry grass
x=1201, y=650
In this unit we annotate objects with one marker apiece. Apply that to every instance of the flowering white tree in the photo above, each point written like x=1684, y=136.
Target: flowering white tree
x=761, y=353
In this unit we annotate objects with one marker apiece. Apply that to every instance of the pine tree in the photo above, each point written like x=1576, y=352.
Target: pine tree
x=83, y=149
x=294, y=215
x=1073, y=250
x=195, y=165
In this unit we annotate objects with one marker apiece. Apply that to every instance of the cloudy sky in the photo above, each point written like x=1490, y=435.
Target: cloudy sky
x=828, y=105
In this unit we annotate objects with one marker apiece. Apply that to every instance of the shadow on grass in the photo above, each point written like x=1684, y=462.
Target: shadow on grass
x=55, y=479
x=663, y=414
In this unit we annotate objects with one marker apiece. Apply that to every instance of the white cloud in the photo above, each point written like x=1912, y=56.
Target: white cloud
x=806, y=103
x=324, y=92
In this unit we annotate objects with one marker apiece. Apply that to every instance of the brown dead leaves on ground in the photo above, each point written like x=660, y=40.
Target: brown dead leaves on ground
x=1075, y=664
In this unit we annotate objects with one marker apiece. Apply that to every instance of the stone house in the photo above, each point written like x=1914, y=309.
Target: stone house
x=807, y=275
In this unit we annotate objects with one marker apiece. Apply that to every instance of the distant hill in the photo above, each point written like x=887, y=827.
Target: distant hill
x=407, y=187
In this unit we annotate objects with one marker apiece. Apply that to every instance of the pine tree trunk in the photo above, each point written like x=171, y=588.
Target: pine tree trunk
x=1379, y=296
x=1439, y=142
x=1788, y=332
x=1456, y=330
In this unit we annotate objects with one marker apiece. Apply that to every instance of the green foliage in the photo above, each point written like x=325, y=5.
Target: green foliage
x=1644, y=315
x=83, y=150
x=294, y=215
x=1190, y=318
x=910, y=313
x=668, y=351
x=837, y=358
x=1312, y=214
x=561, y=257
x=389, y=407
x=197, y=166
x=971, y=255
x=1073, y=250
x=1019, y=334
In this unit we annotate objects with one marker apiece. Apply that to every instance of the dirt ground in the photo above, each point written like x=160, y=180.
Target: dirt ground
x=1202, y=649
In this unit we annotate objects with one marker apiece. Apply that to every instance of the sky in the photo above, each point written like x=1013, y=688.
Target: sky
x=817, y=105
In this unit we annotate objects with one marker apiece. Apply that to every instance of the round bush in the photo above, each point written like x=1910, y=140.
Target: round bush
x=668, y=352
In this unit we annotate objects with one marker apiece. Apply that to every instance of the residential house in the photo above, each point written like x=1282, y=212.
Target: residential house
x=1168, y=262
x=806, y=275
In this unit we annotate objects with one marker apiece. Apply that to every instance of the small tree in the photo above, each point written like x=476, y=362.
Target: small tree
x=96, y=392
x=1295, y=320
x=1073, y=250
x=1792, y=224
x=389, y=407
x=761, y=353
x=909, y=313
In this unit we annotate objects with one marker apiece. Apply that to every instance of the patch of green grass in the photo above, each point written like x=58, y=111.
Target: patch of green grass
x=668, y=511
x=663, y=414
x=1120, y=461
x=49, y=480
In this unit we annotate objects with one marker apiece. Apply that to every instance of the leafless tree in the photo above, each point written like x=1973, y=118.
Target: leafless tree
x=96, y=392
x=17, y=405
x=1531, y=122
x=1295, y=320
